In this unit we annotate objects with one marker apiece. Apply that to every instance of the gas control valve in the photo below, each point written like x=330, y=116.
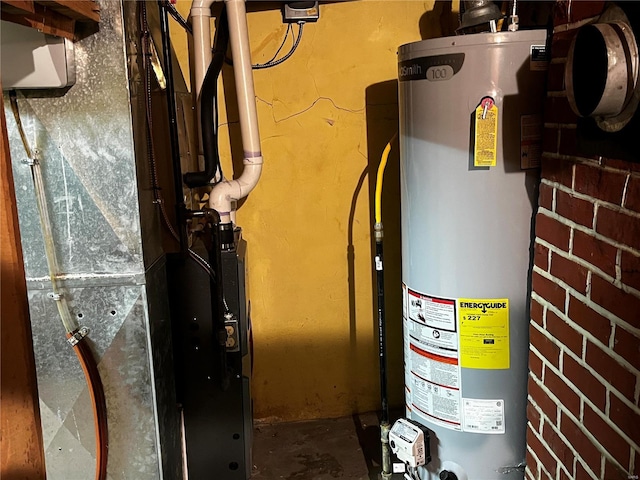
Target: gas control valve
x=409, y=441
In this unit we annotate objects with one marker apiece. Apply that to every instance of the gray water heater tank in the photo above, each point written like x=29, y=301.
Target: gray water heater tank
x=470, y=133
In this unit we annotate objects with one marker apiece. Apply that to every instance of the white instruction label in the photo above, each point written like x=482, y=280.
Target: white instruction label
x=441, y=405
x=431, y=357
x=434, y=312
x=433, y=340
x=437, y=370
x=483, y=416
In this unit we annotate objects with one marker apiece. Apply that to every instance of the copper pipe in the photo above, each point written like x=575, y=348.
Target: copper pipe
x=96, y=391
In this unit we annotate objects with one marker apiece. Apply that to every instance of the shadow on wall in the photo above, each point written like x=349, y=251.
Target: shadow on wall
x=442, y=21
x=382, y=124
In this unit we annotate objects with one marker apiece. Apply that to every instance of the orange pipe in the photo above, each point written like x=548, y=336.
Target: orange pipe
x=96, y=390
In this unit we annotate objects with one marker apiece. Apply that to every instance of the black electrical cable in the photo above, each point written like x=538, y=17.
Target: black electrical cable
x=173, y=128
x=209, y=109
x=273, y=63
x=284, y=40
x=176, y=16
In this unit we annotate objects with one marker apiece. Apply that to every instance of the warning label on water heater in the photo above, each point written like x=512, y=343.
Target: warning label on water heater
x=432, y=370
x=485, y=134
x=442, y=336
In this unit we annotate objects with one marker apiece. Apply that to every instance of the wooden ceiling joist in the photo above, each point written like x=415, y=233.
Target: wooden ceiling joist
x=72, y=19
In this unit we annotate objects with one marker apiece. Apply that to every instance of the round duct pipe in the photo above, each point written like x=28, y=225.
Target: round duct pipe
x=601, y=74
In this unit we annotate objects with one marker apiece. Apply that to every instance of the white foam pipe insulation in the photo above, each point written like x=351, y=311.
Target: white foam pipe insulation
x=226, y=192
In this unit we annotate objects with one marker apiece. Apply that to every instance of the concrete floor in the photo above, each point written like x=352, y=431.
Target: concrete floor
x=346, y=448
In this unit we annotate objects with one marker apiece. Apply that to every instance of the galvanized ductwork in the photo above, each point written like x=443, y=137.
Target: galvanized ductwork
x=601, y=75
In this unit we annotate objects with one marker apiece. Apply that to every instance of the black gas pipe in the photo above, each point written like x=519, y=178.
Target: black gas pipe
x=173, y=128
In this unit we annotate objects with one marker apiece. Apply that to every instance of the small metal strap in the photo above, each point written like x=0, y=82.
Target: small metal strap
x=55, y=296
x=77, y=336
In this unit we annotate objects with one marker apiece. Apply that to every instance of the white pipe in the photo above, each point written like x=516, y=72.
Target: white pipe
x=239, y=39
x=201, y=25
x=225, y=193
x=200, y=21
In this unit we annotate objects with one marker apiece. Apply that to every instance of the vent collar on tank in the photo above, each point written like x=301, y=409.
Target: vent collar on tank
x=479, y=12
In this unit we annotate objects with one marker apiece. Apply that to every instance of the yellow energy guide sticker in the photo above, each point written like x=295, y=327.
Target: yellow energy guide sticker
x=485, y=145
x=484, y=333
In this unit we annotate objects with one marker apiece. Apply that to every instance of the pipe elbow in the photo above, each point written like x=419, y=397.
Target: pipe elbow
x=250, y=176
x=224, y=193
x=201, y=8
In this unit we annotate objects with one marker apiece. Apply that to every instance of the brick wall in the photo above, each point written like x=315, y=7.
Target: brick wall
x=584, y=383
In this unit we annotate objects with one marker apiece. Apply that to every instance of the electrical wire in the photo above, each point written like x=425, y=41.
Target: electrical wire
x=272, y=62
x=284, y=40
x=153, y=172
x=75, y=335
x=379, y=179
x=168, y=6
x=412, y=473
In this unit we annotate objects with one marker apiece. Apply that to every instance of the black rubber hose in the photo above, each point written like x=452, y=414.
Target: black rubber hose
x=209, y=109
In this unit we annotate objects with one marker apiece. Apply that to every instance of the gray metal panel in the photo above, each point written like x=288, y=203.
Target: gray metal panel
x=101, y=208
x=88, y=164
x=117, y=318
x=466, y=232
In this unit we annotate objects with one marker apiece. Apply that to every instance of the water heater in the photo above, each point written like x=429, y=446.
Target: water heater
x=470, y=130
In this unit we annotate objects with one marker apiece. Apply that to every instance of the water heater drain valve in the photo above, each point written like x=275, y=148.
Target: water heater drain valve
x=410, y=443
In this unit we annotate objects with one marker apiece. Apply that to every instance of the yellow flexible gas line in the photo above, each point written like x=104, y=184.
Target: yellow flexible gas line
x=381, y=167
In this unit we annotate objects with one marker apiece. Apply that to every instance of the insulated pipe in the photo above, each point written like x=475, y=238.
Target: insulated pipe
x=224, y=193
x=208, y=107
